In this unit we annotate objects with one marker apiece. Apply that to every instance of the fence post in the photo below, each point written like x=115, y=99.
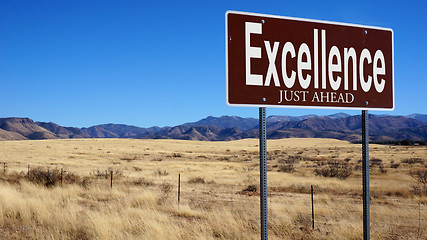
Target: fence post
x=111, y=184
x=4, y=167
x=312, y=207
x=179, y=188
x=61, y=176
x=28, y=173
x=419, y=219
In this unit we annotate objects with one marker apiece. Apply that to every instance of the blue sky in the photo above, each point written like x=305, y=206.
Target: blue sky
x=162, y=63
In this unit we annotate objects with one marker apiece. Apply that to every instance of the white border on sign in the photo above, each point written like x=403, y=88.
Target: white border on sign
x=304, y=20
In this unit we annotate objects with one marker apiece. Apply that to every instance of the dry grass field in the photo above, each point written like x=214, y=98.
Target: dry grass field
x=219, y=189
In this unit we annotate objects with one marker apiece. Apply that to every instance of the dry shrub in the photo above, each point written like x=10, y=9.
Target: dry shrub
x=86, y=181
x=251, y=188
x=293, y=188
x=419, y=190
x=142, y=182
x=107, y=173
x=100, y=173
x=375, y=161
x=419, y=175
x=12, y=177
x=42, y=177
x=303, y=221
x=287, y=168
x=197, y=180
x=335, y=168
x=394, y=165
x=116, y=172
x=294, y=158
x=52, y=177
x=381, y=168
x=160, y=173
x=165, y=189
x=71, y=178
x=413, y=161
x=137, y=169
x=130, y=158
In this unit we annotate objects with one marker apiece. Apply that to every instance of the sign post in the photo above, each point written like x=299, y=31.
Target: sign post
x=276, y=61
x=365, y=174
x=263, y=172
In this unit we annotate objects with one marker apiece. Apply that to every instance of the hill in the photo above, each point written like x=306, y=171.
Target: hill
x=382, y=128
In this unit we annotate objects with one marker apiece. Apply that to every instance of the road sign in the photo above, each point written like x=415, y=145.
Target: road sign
x=275, y=61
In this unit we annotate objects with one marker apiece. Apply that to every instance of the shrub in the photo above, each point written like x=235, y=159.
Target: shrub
x=382, y=170
x=196, y=180
x=116, y=172
x=160, y=173
x=142, y=182
x=294, y=158
x=49, y=177
x=137, y=169
x=419, y=190
x=100, y=173
x=375, y=161
x=251, y=188
x=303, y=221
x=70, y=178
x=335, y=168
x=394, y=165
x=129, y=158
x=419, y=175
x=413, y=161
x=165, y=189
x=287, y=168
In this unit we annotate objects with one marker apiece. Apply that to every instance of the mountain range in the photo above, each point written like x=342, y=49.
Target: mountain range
x=382, y=128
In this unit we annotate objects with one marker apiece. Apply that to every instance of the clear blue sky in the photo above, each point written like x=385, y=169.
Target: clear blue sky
x=147, y=63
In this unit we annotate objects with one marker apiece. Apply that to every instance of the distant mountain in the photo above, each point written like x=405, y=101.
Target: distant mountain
x=63, y=132
x=348, y=128
x=338, y=115
x=117, y=131
x=338, y=126
x=421, y=117
x=275, y=118
x=227, y=122
x=23, y=128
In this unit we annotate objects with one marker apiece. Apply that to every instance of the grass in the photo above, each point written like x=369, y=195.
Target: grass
x=219, y=184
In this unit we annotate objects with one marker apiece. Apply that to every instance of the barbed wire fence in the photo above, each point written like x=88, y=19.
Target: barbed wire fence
x=328, y=215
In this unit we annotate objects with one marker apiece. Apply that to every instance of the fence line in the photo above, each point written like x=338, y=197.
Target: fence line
x=8, y=167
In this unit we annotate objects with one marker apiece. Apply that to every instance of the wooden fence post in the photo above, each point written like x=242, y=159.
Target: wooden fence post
x=111, y=183
x=312, y=207
x=179, y=188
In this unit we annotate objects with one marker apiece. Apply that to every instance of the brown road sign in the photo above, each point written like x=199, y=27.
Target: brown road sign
x=275, y=61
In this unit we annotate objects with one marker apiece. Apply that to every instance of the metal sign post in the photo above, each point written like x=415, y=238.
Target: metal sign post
x=263, y=172
x=365, y=174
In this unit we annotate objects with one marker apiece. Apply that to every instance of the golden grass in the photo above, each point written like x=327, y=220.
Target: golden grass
x=143, y=201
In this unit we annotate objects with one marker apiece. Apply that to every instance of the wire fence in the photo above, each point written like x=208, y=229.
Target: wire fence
x=409, y=214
